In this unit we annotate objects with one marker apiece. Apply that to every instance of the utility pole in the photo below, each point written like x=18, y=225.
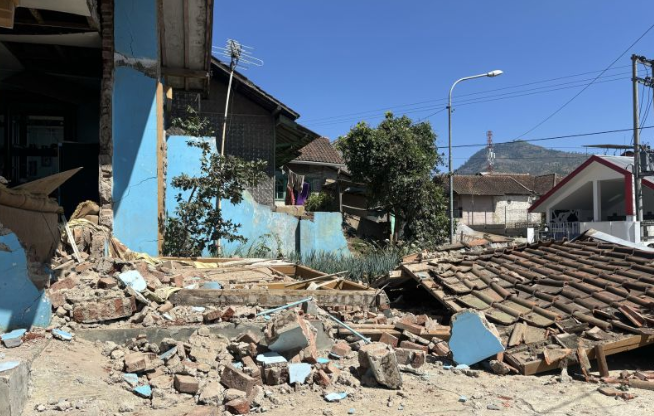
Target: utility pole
x=236, y=53
x=638, y=191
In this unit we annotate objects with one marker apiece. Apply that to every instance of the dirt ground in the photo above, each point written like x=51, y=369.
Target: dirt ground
x=78, y=373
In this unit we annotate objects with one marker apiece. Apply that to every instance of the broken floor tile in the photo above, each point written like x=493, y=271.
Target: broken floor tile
x=14, y=338
x=270, y=358
x=143, y=391
x=131, y=378
x=473, y=338
x=335, y=397
x=6, y=366
x=298, y=373
x=62, y=335
x=133, y=279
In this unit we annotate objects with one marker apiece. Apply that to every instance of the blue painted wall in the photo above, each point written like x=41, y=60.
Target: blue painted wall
x=135, y=124
x=259, y=223
x=323, y=233
x=22, y=305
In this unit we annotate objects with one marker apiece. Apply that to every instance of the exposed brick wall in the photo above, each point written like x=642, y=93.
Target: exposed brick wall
x=249, y=136
x=106, y=135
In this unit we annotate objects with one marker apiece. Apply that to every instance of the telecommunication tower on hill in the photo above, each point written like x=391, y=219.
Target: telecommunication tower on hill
x=490, y=152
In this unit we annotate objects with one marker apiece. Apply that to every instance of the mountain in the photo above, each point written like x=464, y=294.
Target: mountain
x=523, y=157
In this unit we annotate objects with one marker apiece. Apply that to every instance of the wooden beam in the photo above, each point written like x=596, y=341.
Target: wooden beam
x=54, y=24
x=161, y=171
x=186, y=41
x=628, y=343
x=185, y=73
x=36, y=15
x=602, y=366
x=270, y=298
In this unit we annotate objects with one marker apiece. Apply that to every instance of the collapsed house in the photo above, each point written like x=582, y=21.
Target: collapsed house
x=553, y=303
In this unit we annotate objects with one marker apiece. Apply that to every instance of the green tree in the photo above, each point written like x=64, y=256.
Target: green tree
x=397, y=161
x=198, y=223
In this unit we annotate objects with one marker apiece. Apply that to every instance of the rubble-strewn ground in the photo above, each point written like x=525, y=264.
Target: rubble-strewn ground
x=75, y=374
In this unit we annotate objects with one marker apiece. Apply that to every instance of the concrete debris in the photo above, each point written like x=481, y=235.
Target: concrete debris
x=380, y=361
x=14, y=338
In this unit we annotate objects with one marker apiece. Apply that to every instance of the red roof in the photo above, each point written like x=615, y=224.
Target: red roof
x=620, y=164
x=320, y=151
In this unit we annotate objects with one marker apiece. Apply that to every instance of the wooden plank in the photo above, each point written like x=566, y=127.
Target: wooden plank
x=268, y=298
x=161, y=171
x=304, y=272
x=627, y=343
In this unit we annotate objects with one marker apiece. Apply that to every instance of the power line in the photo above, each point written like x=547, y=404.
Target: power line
x=462, y=95
x=586, y=87
x=568, y=136
x=480, y=100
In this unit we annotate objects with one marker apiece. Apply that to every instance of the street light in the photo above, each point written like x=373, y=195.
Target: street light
x=490, y=74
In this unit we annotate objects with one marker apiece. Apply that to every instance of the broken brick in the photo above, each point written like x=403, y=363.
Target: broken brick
x=238, y=406
x=248, y=337
x=341, y=349
x=212, y=316
x=321, y=378
x=107, y=283
x=234, y=379
x=186, y=384
x=62, y=285
x=413, y=346
x=389, y=339
x=251, y=367
x=137, y=362
x=413, y=328
x=107, y=310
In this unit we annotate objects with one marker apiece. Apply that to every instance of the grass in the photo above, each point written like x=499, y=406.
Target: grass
x=364, y=267
x=368, y=263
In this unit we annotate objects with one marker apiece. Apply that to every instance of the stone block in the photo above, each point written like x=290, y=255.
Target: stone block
x=138, y=362
x=322, y=379
x=107, y=283
x=213, y=393
x=380, y=361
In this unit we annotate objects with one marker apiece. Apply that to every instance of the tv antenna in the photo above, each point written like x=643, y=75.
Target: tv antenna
x=240, y=56
x=490, y=152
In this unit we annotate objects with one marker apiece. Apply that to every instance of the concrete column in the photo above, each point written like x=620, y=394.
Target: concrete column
x=134, y=124
x=597, y=201
x=548, y=215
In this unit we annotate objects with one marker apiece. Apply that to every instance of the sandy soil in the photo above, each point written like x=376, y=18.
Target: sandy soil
x=78, y=373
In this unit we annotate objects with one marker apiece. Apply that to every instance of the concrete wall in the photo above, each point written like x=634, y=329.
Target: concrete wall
x=134, y=124
x=22, y=305
x=495, y=210
x=259, y=224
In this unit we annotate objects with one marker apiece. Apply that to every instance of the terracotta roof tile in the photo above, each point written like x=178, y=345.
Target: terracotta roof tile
x=503, y=184
x=320, y=150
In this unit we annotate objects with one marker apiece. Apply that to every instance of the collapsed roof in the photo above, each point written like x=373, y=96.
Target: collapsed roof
x=551, y=300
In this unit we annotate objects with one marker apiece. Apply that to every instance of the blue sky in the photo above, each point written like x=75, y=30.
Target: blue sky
x=339, y=62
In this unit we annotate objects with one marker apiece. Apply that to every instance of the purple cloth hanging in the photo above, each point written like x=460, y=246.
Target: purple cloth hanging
x=304, y=195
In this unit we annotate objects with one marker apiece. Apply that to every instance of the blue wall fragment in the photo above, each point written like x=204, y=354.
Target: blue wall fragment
x=22, y=305
x=134, y=123
x=473, y=338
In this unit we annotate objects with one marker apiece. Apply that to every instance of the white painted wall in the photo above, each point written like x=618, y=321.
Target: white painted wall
x=626, y=230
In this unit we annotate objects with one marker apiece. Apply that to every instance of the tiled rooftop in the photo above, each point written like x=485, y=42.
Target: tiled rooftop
x=320, y=150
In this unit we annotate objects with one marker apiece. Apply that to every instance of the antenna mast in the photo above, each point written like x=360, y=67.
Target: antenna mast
x=239, y=56
x=490, y=152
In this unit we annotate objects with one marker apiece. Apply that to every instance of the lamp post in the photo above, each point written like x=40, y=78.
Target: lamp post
x=490, y=74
